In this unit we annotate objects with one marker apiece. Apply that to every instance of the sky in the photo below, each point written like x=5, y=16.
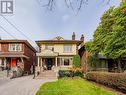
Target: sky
x=38, y=23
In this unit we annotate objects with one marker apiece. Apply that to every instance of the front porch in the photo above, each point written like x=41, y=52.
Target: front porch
x=49, y=60
x=15, y=66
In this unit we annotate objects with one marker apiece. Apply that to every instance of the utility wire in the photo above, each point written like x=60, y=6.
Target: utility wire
x=17, y=29
x=7, y=32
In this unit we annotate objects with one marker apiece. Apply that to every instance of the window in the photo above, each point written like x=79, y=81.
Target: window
x=51, y=47
x=66, y=62
x=67, y=48
x=15, y=47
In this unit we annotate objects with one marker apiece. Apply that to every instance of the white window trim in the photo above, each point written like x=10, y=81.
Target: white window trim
x=62, y=61
x=49, y=47
x=10, y=49
x=67, y=46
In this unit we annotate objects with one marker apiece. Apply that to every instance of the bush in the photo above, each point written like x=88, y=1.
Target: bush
x=69, y=73
x=114, y=80
x=64, y=73
x=76, y=61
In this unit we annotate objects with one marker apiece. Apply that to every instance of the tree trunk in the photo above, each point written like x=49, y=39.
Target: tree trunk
x=119, y=66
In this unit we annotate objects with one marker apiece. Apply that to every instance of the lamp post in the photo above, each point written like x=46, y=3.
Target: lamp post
x=34, y=70
x=8, y=70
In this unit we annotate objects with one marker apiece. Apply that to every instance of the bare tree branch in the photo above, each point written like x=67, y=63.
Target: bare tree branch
x=75, y=5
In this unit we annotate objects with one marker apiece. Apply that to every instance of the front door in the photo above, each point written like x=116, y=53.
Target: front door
x=49, y=63
x=13, y=62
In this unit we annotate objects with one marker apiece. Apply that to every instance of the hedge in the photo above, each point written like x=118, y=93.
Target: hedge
x=69, y=73
x=114, y=80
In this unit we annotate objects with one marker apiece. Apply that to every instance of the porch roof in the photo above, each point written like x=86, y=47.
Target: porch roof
x=47, y=53
x=13, y=55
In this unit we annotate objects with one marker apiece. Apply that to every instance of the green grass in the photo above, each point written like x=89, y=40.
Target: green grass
x=76, y=86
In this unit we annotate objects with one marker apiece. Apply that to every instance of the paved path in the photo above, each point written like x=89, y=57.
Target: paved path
x=22, y=86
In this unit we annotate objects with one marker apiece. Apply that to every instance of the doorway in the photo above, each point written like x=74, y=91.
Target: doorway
x=49, y=63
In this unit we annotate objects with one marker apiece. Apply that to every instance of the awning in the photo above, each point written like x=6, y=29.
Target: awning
x=47, y=53
x=13, y=55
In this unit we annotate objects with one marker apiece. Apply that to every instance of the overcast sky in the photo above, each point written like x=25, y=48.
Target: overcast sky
x=38, y=23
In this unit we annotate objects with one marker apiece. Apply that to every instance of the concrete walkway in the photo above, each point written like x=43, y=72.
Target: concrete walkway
x=22, y=86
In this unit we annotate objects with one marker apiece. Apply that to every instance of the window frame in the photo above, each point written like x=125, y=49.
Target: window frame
x=50, y=47
x=64, y=63
x=67, y=48
x=15, y=47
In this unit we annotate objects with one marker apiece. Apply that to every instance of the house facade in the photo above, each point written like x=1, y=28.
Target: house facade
x=16, y=55
x=56, y=53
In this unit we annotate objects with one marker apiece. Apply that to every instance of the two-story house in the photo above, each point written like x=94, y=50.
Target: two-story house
x=57, y=53
x=16, y=53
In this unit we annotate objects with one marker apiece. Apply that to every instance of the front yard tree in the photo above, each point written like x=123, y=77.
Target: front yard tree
x=116, y=46
x=110, y=37
x=103, y=32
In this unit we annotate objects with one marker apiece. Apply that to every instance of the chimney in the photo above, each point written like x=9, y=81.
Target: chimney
x=73, y=36
x=82, y=38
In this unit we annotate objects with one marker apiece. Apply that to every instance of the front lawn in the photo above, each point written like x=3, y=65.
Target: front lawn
x=76, y=86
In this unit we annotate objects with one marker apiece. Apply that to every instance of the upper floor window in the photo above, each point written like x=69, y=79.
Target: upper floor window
x=15, y=47
x=51, y=47
x=67, y=48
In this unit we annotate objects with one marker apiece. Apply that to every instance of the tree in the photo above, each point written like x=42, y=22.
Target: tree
x=109, y=38
x=116, y=46
x=103, y=32
x=73, y=4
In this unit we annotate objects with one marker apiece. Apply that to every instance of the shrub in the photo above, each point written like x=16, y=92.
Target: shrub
x=70, y=73
x=76, y=61
x=64, y=73
x=114, y=80
x=77, y=71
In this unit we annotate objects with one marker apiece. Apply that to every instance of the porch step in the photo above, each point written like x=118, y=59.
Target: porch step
x=47, y=75
x=3, y=73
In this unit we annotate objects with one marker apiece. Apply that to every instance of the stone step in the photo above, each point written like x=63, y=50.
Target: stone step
x=47, y=75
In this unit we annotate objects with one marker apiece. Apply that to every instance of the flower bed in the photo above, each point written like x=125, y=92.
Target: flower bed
x=114, y=80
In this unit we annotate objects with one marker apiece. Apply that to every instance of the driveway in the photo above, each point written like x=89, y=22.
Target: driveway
x=21, y=86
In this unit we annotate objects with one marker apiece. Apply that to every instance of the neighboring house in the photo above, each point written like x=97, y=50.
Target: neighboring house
x=16, y=54
x=110, y=65
x=57, y=53
x=102, y=64
x=83, y=58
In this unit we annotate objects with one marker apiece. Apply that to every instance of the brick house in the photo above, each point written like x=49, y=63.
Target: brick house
x=17, y=54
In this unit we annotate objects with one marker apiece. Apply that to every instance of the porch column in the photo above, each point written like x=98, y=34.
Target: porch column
x=41, y=62
x=56, y=61
x=5, y=62
x=38, y=61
